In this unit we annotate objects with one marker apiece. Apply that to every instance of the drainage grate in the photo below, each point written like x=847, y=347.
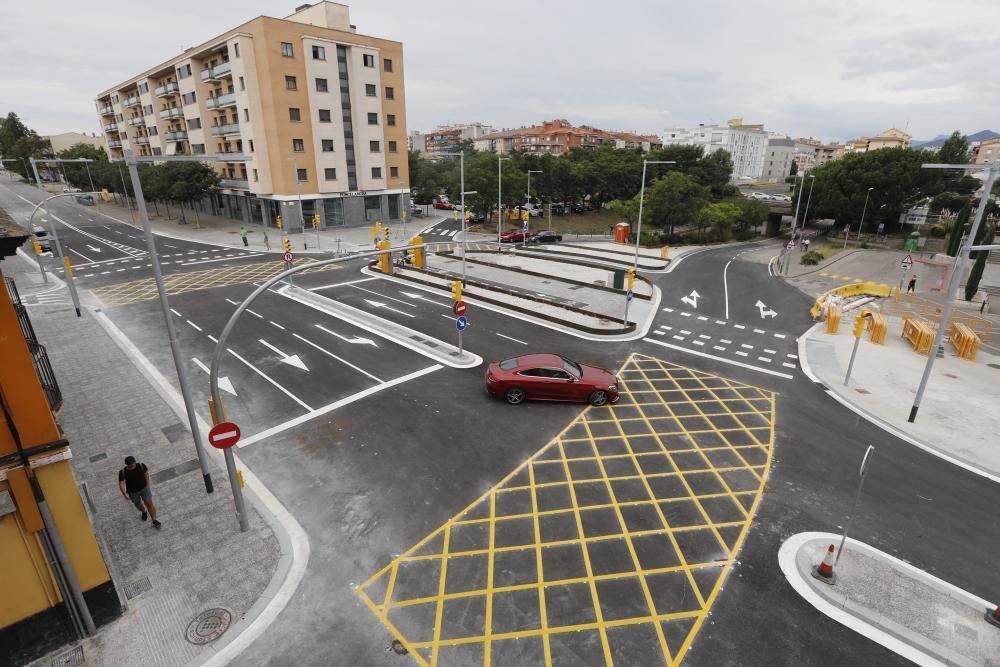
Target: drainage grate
x=161, y=476
x=71, y=658
x=98, y=457
x=174, y=432
x=137, y=587
x=208, y=626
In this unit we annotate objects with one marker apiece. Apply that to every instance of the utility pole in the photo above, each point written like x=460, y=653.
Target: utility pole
x=638, y=228
x=67, y=269
x=499, y=197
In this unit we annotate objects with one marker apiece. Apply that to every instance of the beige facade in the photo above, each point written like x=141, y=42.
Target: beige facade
x=987, y=152
x=275, y=101
x=60, y=142
x=891, y=138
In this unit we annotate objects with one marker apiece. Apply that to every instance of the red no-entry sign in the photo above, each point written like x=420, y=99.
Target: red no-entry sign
x=460, y=307
x=224, y=435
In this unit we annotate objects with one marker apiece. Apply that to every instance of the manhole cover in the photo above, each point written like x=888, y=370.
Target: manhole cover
x=208, y=626
x=71, y=658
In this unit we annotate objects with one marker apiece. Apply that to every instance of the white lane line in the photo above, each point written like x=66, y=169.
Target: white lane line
x=256, y=314
x=175, y=312
x=212, y=338
x=383, y=296
x=697, y=342
x=509, y=338
x=685, y=332
x=235, y=303
x=660, y=333
x=725, y=285
x=193, y=325
x=767, y=351
x=263, y=375
x=764, y=359
x=349, y=282
x=742, y=354
x=103, y=272
x=720, y=321
x=666, y=327
x=760, y=331
x=726, y=341
x=116, y=270
x=787, y=365
x=739, y=326
x=276, y=324
x=702, y=318
x=668, y=310
x=337, y=404
x=341, y=360
x=779, y=335
x=80, y=254
x=719, y=348
x=699, y=353
x=678, y=337
x=686, y=314
x=792, y=356
x=704, y=337
x=448, y=317
x=170, y=246
x=746, y=347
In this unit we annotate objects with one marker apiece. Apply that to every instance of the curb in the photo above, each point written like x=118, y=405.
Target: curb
x=603, y=262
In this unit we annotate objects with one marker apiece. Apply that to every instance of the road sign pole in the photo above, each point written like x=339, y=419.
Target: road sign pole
x=854, y=353
x=857, y=499
x=67, y=271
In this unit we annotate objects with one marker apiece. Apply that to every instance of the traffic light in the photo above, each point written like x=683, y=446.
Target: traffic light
x=417, y=254
x=286, y=243
x=316, y=221
x=384, y=258
x=859, y=324
x=38, y=247
x=376, y=231
x=456, y=290
x=385, y=233
x=105, y=195
x=279, y=221
x=630, y=279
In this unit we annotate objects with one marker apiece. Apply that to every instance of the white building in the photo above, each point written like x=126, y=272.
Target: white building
x=415, y=141
x=746, y=144
x=778, y=158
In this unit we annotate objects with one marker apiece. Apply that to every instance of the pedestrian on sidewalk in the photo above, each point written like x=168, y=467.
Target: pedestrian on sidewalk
x=912, y=285
x=267, y=243
x=243, y=235
x=805, y=245
x=133, y=480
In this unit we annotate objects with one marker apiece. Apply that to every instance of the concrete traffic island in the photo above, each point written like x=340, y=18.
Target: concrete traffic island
x=903, y=608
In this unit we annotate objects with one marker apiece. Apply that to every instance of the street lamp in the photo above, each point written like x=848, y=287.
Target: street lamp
x=638, y=228
x=67, y=271
x=861, y=224
x=805, y=216
x=298, y=191
x=499, y=197
x=461, y=185
x=957, y=269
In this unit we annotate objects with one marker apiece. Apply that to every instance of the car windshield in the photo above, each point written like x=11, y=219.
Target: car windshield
x=508, y=364
x=573, y=368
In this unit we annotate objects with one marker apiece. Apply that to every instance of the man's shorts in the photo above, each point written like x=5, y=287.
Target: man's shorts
x=138, y=497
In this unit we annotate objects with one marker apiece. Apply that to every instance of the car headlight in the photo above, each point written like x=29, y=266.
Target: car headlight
x=612, y=387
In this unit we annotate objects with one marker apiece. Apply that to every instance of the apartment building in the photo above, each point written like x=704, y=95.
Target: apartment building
x=60, y=142
x=446, y=138
x=811, y=153
x=891, y=138
x=778, y=158
x=300, y=104
x=986, y=152
x=746, y=144
x=556, y=137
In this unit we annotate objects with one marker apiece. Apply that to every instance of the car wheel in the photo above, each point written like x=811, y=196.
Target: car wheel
x=514, y=395
x=599, y=398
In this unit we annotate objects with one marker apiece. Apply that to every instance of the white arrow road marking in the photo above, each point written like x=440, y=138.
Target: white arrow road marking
x=691, y=299
x=421, y=297
x=224, y=383
x=291, y=360
x=357, y=340
x=331, y=354
x=379, y=304
x=765, y=312
x=93, y=248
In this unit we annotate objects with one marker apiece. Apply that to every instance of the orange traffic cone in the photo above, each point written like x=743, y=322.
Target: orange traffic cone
x=824, y=571
x=994, y=616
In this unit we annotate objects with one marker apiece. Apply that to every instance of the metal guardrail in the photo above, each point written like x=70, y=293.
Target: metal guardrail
x=39, y=356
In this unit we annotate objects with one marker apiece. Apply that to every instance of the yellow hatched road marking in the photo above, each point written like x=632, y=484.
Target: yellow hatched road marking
x=628, y=522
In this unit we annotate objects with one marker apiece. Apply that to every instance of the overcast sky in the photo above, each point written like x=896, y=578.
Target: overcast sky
x=831, y=70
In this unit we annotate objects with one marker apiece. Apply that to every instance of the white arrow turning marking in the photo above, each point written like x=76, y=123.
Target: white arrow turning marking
x=691, y=299
x=93, y=248
x=291, y=360
x=421, y=297
x=358, y=340
x=224, y=383
x=379, y=304
x=765, y=312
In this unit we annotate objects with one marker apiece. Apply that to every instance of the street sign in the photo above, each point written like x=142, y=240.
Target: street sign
x=224, y=435
x=460, y=307
x=287, y=256
x=628, y=295
x=907, y=263
x=461, y=323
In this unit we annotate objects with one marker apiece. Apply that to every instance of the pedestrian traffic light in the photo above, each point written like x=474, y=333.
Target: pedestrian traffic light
x=105, y=195
x=859, y=324
x=456, y=290
x=316, y=221
x=384, y=258
x=286, y=243
x=631, y=279
x=417, y=254
x=38, y=247
x=385, y=233
x=279, y=222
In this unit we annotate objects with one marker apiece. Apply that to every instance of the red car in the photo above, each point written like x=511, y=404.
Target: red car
x=444, y=205
x=515, y=235
x=549, y=377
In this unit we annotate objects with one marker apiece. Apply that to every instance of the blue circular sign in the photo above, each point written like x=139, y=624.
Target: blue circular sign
x=461, y=323
x=628, y=295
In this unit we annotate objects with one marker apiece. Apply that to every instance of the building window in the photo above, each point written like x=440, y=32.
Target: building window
x=286, y=50
x=183, y=72
x=393, y=173
x=251, y=145
x=327, y=145
x=319, y=53
x=322, y=86
x=152, y=131
x=369, y=60
x=390, y=93
x=330, y=173
x=243, y=85
x=298, y=145
x=373, y=209
x=198, y=149
x=157, y=150
x=246, y=116
x=390, y=120
x=291, y=83
x=376, y=172
x=373, y=119
x=194, y=124
x=294, y=114
x=256, y=178
x=188, y=98
x=370, y=90
x=236, y=49
x=324, y=115
x=387, y=64
x=374, y=147
x=302, y=175
x=392, y=146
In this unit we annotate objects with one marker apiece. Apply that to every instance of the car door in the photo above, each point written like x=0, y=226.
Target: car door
x=558, y=385
x=530, y=381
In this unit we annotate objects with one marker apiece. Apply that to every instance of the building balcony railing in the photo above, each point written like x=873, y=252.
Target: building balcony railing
x=232, y=157
x=234, y=183
x=218, y=72
x=223, y=130
x=221, y=102
x=167, y=90
x=114, y=143
x=179, y=135
x=39, y=356
x=132, y=102
x=111, y=127
x=141, y=140
x=172, y=112
x=138, y=120
x=106, y=111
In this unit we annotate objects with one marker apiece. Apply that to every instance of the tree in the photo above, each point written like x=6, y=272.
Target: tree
x=955, y=149
x=722, y=215
x=674, y=199
x=985, y=237
x=958, y=228
x=753, y=213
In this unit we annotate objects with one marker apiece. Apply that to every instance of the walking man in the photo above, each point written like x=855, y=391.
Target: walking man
x=243, y=235
x=912, y=285
x=133, y=480
x=267, y=242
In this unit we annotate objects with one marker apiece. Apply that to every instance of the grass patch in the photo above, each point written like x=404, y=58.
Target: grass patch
x=819, y=253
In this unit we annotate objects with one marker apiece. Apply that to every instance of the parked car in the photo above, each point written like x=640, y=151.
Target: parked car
x=782, y=198
x=86, y=200
x=515, y=235
x=476, y=218
x=70, y=188
x=550, y=377
x=545, y=236
x=533, y=210
x=760, y=196
x=557, y=208
x=444, y=205
x=39, y=234
x=416, y=211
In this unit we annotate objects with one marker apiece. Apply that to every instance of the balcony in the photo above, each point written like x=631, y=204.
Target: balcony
x=172, y=112
x=132, y=102
x=141, y=140
x=106, y=111
x=234, y=183
x=232, y=157
x=224, y=130
x=111, y=127
x=114, y=143
x=179, y=135
x=225, y=70
x=221, y=102
x=38, y=354
x=167, y=90
x=136, y=121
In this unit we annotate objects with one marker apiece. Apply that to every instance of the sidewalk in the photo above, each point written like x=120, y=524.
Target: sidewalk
x=199, y=560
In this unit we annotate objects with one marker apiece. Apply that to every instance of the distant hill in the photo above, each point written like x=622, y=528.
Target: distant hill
x=939, y=140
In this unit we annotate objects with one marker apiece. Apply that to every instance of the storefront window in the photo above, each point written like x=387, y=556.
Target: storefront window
x=373, y=209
